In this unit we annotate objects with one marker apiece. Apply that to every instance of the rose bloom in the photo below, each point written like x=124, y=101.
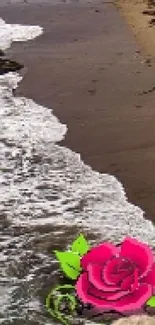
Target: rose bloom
x=117, y=278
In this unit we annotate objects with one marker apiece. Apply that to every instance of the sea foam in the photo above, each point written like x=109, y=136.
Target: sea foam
x=43, y=183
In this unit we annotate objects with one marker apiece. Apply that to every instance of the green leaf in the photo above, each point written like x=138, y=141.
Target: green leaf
x=80, y=245
x=70, y=263
x=151, y=302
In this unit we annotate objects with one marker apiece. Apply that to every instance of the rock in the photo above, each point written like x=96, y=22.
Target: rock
x=152, y=22
x=149, y=12
x=9, y=66
x=2, y=53
x=135, y=320
x=92, y=91
x=151, y=3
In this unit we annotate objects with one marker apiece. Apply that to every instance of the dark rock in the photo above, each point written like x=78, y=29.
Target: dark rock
x=89, y=312
x=152, y=22
x=145, y=92
x=149, y=12
x=151, y=3
x=150, y=310
x=148, y=61
x=9, y=66
x=92, y=91
x=2, y=53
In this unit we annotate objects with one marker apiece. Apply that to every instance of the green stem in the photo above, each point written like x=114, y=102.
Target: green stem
x=53, y=295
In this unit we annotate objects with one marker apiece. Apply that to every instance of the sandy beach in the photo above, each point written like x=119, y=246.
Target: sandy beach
x=91, y=70
x=92, y=66
x=140, y=16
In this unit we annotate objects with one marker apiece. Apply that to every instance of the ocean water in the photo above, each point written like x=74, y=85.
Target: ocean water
x=47, y=196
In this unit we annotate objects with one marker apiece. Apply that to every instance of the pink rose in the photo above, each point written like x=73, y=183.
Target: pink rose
x=119, y=278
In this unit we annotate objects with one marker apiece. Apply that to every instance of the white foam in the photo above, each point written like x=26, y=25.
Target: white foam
x=44, y=183
x=16, y=33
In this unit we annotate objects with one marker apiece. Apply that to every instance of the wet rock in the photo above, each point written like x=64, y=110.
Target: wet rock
x=145, y=92
x=9, y=66
x=150, y=310
x=148, y=61
x=145, y=316
x=149, y=12
x=136, y=320
x=151, y=3
x=91, y=313
x=2, y=53
x=92, y=91
x=152, y=22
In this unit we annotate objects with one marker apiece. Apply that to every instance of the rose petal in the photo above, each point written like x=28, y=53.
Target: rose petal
x=139, y=253
x=111, y=274
x=131, y=282
x=99, y=254
x=150, y=277
x=124, y=303
x=127, y=282
x=135, y=284
x=135, y=300
x=108, y=296
x=95, y=277
x=124, y=265
x=82, y=286
x=90, y=295
x=87, y=291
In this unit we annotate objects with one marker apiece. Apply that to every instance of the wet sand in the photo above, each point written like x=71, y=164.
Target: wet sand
x=89, y=68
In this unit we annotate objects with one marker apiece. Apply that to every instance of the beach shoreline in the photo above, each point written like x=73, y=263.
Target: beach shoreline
x=94, y=78
x=86, y=77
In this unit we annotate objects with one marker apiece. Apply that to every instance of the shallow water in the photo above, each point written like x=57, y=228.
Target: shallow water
x=47, y=197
